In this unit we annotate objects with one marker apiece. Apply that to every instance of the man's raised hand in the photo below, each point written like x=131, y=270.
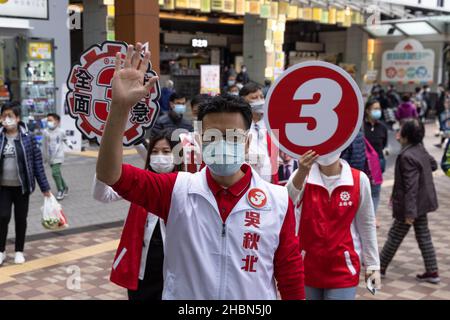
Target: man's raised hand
x=128, y=86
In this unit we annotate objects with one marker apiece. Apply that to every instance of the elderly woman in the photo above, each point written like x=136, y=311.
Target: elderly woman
x=413, y=197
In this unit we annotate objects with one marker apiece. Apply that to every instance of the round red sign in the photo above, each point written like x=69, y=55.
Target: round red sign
x=314, y=105
x=257, y=198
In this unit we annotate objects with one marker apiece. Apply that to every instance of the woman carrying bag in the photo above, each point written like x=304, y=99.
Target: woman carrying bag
x=20, y=164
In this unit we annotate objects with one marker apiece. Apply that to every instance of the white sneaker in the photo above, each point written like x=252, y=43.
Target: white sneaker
x=19, y=259
x=2, y=257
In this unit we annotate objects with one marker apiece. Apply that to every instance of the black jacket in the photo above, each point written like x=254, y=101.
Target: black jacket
x=414, y=194
x=29, y=160
x=171, y=122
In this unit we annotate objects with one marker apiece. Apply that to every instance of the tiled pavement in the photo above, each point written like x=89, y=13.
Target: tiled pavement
x=51, y=261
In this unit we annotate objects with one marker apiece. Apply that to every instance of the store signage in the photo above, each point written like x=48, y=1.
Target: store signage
x=33, y=9
x=199, y=43
x=90, y=93
x=40, y=50
x=409, y=62
x=314, y=105
x=210, y=79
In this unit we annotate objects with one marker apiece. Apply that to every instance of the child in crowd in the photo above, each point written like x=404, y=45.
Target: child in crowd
x=54, y=139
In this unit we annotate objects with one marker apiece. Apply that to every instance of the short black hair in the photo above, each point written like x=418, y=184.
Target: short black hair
x=418, y=89
x=165, y=134
x=369, y=103
x=176, y=96
x=54, y=116
x=199, y=99
x=412, y=130
x=249, y=88
x=227, y=104
x=406, y=97
x=232, y=87
x=14, y=106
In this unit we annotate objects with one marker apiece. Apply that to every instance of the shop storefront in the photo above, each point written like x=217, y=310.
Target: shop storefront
x=34, y=57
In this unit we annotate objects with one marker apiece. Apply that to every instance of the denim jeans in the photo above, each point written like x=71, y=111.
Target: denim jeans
x=375, y=190
x=330, y=294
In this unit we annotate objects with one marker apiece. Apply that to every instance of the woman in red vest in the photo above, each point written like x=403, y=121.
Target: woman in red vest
x=336, y=226
x=138, y=263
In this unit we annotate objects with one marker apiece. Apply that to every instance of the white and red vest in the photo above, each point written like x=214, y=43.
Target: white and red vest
x=329, y=245
x=131, y=255
x=262, y=149
x=208, y=259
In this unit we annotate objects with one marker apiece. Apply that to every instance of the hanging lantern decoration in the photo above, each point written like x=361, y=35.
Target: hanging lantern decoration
x=340, y=16
x=240, y=7
x=348, y=18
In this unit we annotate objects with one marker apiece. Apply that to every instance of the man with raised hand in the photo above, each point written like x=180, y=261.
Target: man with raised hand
x=230, y=234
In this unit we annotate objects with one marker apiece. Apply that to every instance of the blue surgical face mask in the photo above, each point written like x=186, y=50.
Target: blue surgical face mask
x=231, y=82
x=223, y=158
x=179, y=109
x=375, y=114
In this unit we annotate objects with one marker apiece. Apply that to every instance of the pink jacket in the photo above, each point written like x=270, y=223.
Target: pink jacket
x=406, y=110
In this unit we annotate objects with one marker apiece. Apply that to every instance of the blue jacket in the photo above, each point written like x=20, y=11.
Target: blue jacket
x=355, y=154
x=29, y=160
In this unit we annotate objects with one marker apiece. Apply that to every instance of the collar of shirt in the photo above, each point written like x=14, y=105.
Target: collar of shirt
x=237, y=188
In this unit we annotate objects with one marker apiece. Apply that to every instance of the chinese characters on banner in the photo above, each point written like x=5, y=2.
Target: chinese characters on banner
x=409, y=62
x=210, y=79
x=89, y=96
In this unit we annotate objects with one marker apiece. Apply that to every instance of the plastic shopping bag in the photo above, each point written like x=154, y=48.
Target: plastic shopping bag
x=53, y=217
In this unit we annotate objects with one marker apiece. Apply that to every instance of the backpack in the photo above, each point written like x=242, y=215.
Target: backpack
x=373, y=166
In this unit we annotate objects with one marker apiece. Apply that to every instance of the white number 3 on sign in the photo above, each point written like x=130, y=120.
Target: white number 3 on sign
x=321, y=111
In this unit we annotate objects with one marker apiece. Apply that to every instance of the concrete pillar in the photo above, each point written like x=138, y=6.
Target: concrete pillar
x=356, y=51
x=94, y=22
x=254, y=50
x=138, y=21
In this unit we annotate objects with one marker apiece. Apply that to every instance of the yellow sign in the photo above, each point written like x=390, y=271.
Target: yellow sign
x=283, y=8
x=40, y=50
x=228, y=6
x=332, y=15
x=307, y=13
x=205, y=6
x=240, y=7
x=274, y=10
x=293, y=12
x=317, y=14
x=217, y=5
x=169, y=4
x=195, y=4
x=254, y=7
x=182, y=4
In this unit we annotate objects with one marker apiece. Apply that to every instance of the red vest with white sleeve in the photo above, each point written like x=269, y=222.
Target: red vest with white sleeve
x=329, y=244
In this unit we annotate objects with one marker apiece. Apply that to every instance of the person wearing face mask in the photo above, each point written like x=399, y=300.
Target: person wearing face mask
x=231, y=81
x=139, y=258
x=376, y=134
x=336, y=226
x=263, y=155
x=242, y=76
x=174, y=119
x=20, y=165
x=229, y=234
x=233, y=90
x=53, y=142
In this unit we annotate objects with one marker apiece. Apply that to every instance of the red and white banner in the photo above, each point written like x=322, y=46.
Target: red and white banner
x=90, y=93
